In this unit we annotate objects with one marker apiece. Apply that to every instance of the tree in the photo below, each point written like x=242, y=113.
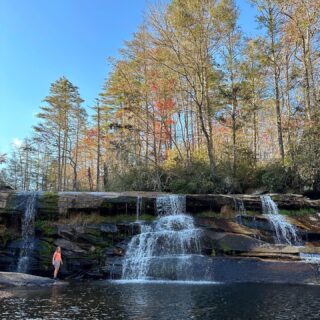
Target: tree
x=270, y=18
x=188, y=31
x=230, y=50
x=61, y=119
x=254, y=87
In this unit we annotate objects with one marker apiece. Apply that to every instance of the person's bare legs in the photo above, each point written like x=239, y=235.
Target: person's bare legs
x=56, y=270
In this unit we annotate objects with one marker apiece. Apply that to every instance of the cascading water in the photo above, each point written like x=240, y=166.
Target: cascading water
x=27, y=232
x=171, y=205
x=239, y=209
x=310, y=258
x=138, y=207
x=163, y=250
x=239, y=206
x=286, y=233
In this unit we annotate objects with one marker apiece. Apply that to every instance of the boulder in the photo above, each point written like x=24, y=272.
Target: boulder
x=224, y=225
x=231, y=243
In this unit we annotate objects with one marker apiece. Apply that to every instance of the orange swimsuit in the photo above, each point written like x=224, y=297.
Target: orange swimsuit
x=57, y=256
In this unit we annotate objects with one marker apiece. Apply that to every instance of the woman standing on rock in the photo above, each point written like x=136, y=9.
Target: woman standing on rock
x=56, y=261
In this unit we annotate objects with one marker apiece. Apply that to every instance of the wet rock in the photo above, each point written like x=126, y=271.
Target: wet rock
x=13, y=279
x=257, y=191
x=230, y=243
x=66, y=232
x=93, y=249
x=259, y=222
x=5, y=294
x=108, y=228
x=68, y=247
x=224, y=225
x=113, y=267
x=227, y=211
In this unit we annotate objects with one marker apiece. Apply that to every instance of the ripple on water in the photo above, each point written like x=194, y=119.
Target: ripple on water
x=163, y=300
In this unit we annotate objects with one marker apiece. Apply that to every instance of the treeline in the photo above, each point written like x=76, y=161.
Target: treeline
x=192, y=105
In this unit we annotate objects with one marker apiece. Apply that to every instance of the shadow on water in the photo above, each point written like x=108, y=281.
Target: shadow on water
x=166, y=300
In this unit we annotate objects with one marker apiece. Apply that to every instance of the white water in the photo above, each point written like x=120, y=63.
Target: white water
x=138, y=208
x=27, y=233
x=163, y=248
x=171, y=205
x=286, y=233
x=182, y=282
x=239, y=206
x=310, y=257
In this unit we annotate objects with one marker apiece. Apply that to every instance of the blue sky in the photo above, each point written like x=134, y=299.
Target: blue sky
x=42, y=40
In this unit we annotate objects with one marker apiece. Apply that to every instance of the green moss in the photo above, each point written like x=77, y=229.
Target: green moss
x=48, y=203
x=106, y=205
x=45, y=227
x=7, y=235
x=11, y=204
x=275, y=197
x=298, y=213
x=209, y=214
x=128, y=218
x=252, y=212
x=212, y=214
x=46, y=250
x=224, y=247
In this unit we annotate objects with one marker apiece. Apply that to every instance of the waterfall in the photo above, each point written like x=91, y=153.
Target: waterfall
x=138, y=207
x=162, y=250
x=171, y=205
x=239, y=206
x=310, y=257
x=27, y=226
x=286, y=233
x=239, y=209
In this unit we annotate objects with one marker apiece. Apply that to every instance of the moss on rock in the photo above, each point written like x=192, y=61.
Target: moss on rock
x=49, y=204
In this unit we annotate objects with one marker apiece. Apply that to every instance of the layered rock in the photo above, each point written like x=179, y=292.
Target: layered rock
x=94, y=229
x=111, y=203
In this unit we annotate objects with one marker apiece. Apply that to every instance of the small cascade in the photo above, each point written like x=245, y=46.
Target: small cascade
x=138, y=208
x=313, y=258
x=239, y=209
x=27, y=232
x=171, y=204
x=239, y=206
x=164, y=249
x=286, y=233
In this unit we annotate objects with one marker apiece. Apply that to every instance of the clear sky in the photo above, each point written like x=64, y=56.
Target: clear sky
x=42, y=40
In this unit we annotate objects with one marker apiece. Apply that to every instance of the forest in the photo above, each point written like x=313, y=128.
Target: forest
x=191, y=105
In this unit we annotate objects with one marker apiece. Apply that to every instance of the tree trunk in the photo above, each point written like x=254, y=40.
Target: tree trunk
x=90, y=179
x=276, y=79
x=105, y=176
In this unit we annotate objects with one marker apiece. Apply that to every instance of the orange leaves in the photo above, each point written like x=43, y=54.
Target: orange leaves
x=164, y=105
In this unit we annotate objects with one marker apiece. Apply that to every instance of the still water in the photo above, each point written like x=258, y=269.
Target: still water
x=140, y=301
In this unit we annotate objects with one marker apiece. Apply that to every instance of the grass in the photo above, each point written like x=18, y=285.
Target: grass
x=129, y=218
x=298, y=213
x=291, y=213
x=89, y=219
x=212, y=214
x=82, y=219
x=209, y=214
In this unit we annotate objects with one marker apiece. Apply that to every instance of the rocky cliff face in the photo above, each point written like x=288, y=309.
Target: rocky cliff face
x=94, y=229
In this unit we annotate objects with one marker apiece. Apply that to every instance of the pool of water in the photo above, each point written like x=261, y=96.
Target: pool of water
x=140, y=301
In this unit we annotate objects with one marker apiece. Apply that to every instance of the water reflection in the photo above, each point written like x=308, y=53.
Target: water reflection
x=133, y=301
